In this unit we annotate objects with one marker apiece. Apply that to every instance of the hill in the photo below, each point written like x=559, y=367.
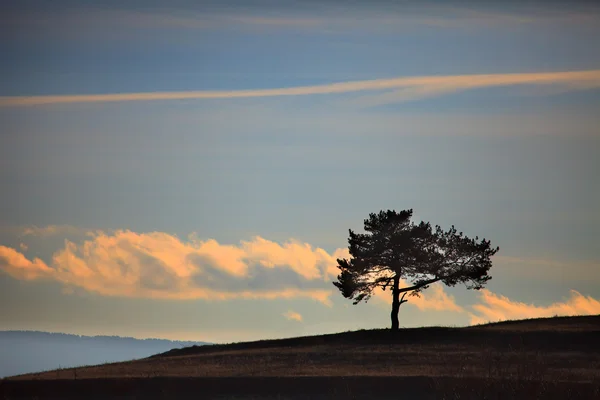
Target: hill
x=538, y=358
x=546, y=330
x=33, y=351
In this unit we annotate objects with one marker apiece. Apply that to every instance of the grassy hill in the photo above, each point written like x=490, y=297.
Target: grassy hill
x=522, y=359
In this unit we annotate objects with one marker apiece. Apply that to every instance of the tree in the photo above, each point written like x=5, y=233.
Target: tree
x=394, y=249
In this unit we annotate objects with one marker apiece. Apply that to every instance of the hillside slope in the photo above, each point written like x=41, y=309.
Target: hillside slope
x=558, y=348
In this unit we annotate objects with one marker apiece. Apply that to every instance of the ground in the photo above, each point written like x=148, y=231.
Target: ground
x=538, y=358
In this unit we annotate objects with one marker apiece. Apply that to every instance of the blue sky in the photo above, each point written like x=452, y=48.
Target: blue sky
x=497, y=134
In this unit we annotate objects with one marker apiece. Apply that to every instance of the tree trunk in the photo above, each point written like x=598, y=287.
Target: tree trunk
x=395, y=303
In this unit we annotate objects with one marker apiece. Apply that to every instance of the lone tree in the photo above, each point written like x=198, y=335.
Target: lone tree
x=393, y=249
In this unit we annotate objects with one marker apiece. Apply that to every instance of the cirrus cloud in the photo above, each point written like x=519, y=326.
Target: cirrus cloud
x=407, y=88
x=52, y=230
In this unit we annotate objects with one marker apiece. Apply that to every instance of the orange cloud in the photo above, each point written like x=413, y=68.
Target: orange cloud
x=293, y=316
x=415, y=88
x=159, y=265
x=496, y=307
x=493, y=307
x=434, y=298
x=18, y=266
x=300, y=257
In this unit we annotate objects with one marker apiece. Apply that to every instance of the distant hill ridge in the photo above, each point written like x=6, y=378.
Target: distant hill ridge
x=35, y=351
x=70, y=336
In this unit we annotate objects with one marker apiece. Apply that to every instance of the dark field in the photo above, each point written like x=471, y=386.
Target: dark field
x=544, y=358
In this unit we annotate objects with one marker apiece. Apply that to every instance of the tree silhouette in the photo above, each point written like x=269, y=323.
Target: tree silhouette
x=393, y=249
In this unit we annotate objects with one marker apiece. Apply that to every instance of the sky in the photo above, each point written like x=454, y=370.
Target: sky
x=190, y=170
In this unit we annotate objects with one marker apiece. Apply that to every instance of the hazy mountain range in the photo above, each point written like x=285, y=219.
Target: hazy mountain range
x=31, y=351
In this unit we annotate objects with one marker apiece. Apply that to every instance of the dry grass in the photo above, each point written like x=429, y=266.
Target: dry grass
x=521, y=358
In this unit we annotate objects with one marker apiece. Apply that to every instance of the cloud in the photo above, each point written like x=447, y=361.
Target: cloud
x=535, y=262
x=18, y=266
x=434, y=298
x=162, y=266
x=319, y=17
x=416, y=87
x=52, y=230
x=159, y=265
x=403, y=95
x=559, y=82
x=293, y=316
x=494, y=307
x=550, y=269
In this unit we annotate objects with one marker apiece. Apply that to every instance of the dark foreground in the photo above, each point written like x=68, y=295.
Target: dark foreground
x=296, y=388
x=554, y=358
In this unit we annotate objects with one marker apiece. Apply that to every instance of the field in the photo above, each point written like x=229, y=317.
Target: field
x=538, y=358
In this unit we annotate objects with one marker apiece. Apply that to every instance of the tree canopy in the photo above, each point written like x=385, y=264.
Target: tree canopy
x=394, y=249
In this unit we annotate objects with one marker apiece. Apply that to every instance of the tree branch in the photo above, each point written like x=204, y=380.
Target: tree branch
x=420, y=285
x=402, y=298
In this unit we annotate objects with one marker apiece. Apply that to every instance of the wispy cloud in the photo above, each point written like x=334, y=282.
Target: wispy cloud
x=414, y=88
x=52, y=230
x=293, y=316
x=557, y=83
x=159, y=265
x=550, y=269
x=325, y=17
x=494, y=307
x=405, y=94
